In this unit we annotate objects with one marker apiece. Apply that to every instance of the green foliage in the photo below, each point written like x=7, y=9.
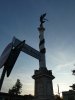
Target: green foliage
x=73, y=87
x=16, y=89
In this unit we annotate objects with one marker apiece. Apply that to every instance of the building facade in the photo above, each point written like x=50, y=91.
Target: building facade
x=68, y=95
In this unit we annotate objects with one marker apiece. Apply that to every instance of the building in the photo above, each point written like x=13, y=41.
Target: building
x=68, y=95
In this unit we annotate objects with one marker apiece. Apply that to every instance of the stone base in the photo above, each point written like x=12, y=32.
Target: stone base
x=43, y=84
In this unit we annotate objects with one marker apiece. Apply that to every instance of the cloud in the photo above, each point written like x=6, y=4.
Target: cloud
x=61, y=67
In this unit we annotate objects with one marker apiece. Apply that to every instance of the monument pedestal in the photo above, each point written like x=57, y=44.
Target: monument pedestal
x=43, y=84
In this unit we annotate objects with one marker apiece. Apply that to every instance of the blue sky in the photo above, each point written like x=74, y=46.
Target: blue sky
x=20, y=18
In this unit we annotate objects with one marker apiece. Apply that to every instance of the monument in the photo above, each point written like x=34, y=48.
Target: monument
x=43, y=77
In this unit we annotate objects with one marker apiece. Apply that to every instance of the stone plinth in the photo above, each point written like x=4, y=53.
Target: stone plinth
x=43, y=84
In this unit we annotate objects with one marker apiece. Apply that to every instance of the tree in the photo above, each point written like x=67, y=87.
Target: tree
x=16, y=89
x=73, y=72
x=57, y=97
x=73, y=87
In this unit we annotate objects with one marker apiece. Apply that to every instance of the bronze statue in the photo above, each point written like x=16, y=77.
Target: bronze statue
x=42, y=19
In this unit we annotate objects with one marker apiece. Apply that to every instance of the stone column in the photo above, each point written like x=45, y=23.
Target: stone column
x=43, y=77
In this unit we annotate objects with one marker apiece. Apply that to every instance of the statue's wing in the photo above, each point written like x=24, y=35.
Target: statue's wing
x=44, y=15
